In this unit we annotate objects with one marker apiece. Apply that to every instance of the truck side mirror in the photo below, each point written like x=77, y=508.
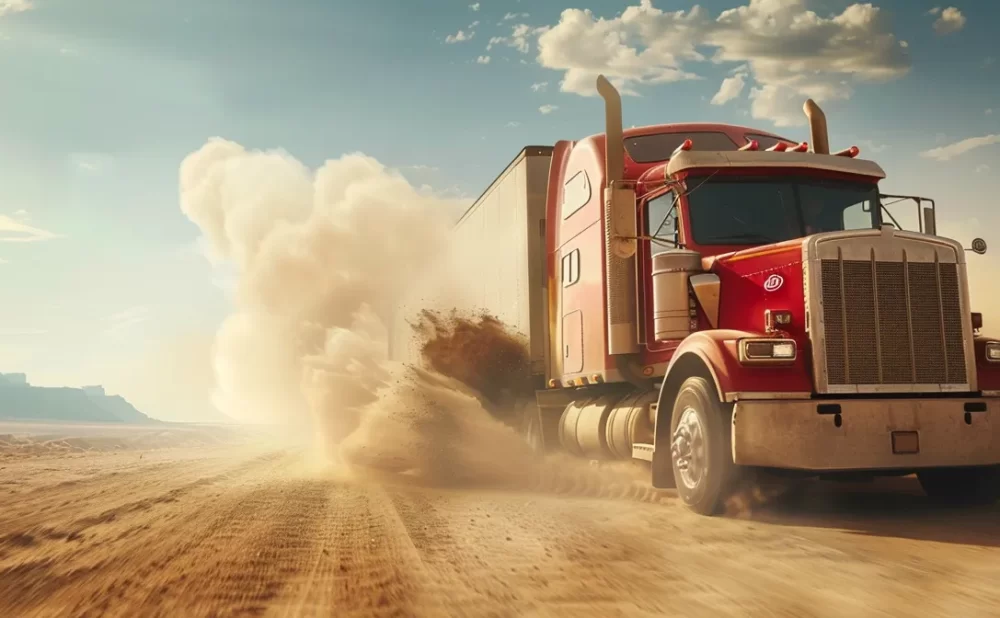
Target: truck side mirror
x=978, y=246
x=930, y=225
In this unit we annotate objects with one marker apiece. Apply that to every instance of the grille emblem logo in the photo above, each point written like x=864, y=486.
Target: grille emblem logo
x=774, y=282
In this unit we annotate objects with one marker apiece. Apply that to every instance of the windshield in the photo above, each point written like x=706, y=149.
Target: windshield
x=751, y=211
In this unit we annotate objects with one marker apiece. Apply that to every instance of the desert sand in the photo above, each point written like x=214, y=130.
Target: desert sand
x=128, y=526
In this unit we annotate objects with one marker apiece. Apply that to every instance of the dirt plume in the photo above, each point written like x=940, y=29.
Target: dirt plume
x=481, y=353
x=430, y=428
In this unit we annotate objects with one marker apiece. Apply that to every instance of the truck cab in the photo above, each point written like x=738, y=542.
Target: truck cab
x=742, y=302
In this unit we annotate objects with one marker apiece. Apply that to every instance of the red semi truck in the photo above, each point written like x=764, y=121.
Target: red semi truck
x=715, y=299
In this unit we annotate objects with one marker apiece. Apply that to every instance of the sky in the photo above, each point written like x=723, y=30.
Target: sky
x=104, y=280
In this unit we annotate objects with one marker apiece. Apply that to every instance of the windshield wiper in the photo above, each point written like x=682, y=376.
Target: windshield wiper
x=747, y=237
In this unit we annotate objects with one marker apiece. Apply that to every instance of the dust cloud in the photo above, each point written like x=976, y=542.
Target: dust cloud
x=322, y=260
x=320, y=257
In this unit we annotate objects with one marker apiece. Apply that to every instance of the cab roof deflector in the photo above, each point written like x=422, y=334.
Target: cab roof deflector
x=692, y=159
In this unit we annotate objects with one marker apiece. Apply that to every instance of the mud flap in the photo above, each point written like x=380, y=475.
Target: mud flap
x=550, y=406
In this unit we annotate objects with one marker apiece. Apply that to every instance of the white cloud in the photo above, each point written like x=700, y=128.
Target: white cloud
x=21, y=213
x=483, y=60
x=945, y=153
x=520, y=38
x=510, y=16
x=539, y=86
x=982, y=168
x=15, y=231
x=513, y=123
x=474, y=7
x=92, y=162
x=950, y=20
x=15, y=6
x=3, y=261
x=730, y=89
x=791, y=52
x=548, y=109
x=473, y=25
x=867, y=145
x=459, y=36
x=422, y=168
x=989, y=111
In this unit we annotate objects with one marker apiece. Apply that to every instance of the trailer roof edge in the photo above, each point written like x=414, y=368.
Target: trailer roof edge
x=527, y=151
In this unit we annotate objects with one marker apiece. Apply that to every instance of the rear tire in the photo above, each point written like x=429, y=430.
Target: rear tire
x=962, y=485
x=700, y=447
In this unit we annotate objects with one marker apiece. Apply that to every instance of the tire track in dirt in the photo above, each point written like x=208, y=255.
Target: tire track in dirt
x=39, y=474
x=363, y=563
x=88, y=498
x=510, y=551
x=120, y=555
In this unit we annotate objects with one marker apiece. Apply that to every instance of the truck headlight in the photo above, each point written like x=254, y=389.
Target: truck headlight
x=769, y=351
x=993, y=351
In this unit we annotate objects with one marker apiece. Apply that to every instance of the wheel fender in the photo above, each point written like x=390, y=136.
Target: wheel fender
x=712, y=355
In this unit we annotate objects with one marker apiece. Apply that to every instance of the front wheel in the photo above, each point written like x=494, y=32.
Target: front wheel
x=700, y=447
x=962, y=485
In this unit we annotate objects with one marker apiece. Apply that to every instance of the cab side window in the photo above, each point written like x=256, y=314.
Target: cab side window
x=661, y=223
x=859, y=216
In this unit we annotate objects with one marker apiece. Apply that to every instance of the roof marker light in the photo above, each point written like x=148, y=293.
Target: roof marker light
x=778, y=147
x=751, y=145
x=685, y=145
x=851, y=152
x=803, y=147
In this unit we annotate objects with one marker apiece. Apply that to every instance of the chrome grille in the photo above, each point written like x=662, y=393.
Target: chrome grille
x=892, y=322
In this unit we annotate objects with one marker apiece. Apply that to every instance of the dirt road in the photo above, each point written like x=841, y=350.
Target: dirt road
x=236, y=531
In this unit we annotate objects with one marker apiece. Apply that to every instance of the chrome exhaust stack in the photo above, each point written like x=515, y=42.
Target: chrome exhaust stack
x=620, y=229
x=818, y=134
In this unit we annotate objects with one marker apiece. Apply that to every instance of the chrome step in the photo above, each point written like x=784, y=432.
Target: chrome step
x=642, y=451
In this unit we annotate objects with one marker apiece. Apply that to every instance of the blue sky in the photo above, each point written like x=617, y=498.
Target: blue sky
x=102, y=99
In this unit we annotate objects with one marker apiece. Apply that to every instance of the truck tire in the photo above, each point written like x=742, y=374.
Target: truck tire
x=700, y=450
x=979, y=485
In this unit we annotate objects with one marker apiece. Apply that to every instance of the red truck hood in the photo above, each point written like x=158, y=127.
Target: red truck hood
x=753, y=280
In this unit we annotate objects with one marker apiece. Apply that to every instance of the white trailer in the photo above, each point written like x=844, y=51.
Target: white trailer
x=495, y=263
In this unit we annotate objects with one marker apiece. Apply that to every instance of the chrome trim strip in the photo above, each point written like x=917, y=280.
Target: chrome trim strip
x=878, y=319
x=849, y=389
x=909, y=316
x=763, y=395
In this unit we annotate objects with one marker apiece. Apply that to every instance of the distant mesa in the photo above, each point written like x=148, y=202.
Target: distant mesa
x=21, y=401
x=13, y=379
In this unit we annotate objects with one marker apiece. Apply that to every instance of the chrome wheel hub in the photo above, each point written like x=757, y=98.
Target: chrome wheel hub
x=687, y=447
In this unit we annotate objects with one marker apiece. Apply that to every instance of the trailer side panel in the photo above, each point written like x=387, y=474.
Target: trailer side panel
x=495, y=262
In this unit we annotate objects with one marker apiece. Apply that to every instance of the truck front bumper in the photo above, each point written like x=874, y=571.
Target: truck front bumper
x=866, y=434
